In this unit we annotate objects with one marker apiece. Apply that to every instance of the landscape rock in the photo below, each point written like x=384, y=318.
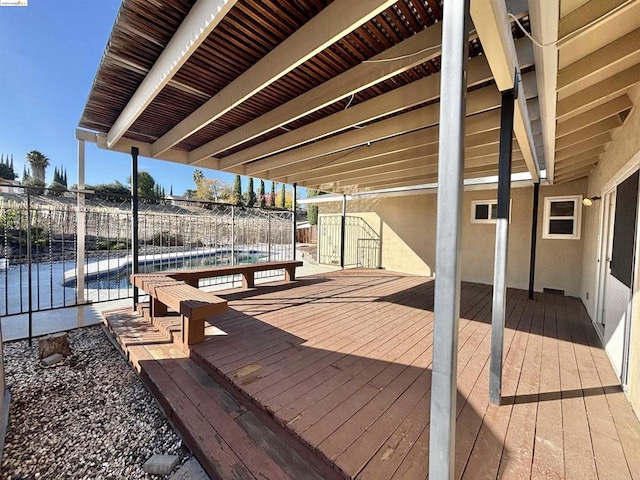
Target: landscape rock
x=52, y=359
x=56, y=343
x=89, y=417
x=191, y=470
x=160, y=464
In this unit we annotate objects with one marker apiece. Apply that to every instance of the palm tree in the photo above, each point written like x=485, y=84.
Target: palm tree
x=39, y=163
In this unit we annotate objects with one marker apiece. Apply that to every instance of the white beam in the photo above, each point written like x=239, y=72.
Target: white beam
x=481, y=100
x=494, y=29
x=543, y=17
x=354, y=80
x=331, y=24
x=417, y=92
x=203, y=17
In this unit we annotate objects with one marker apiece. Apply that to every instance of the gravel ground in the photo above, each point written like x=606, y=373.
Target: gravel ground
x=87, y=417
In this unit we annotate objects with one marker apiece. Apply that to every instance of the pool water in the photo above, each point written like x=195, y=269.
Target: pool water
x=120, y=279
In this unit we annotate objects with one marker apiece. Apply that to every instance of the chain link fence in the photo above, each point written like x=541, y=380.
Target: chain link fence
x=40, y=263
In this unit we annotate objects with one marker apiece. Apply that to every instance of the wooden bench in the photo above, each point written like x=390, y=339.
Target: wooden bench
x=179, y=291
x=193, y=305
x=193, y=275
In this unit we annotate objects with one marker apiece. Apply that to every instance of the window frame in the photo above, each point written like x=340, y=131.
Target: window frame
x=576, y=217
x=490, y=203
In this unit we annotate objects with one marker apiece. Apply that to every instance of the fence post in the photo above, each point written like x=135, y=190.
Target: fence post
x=233, y=235
x=134, y=220
x=293, y=221
x=29, y=279
x=343, y=229
x=269, y=233
x=81, y=225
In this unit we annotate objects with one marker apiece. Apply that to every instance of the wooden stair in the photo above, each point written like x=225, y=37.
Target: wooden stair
x=230, y=439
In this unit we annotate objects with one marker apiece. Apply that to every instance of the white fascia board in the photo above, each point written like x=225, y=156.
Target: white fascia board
x=544, y=18
x=518, y=180
x=203, y=17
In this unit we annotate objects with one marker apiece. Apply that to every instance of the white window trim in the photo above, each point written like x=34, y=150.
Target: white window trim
x=577, y=217
x=490, y=203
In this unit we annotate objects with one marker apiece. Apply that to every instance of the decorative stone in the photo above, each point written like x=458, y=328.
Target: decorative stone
x=160, y=464
x=191, y=470
x=52, y=359
x=56, y=343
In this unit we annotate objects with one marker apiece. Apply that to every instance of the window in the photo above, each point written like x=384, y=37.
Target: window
x=485, y=211
x=562, y=217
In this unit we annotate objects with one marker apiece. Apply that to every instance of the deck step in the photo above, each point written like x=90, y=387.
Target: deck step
x=229, y=440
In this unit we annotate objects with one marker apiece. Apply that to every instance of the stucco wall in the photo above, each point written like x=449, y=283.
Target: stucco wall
x=408, y=238
x=622, y=157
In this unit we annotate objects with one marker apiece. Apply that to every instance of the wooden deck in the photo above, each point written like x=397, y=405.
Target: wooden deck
x=342, y=362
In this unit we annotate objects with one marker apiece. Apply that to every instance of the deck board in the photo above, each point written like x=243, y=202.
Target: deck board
x=342, y=361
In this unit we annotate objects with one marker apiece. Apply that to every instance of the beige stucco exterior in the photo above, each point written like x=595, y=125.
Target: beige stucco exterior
x=407, y=225
x=621, y=159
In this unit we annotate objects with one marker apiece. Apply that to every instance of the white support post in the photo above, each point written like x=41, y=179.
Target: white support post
x=81, y=213
x=453, y=88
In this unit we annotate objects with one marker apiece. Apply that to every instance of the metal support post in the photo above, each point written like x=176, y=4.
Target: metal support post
x=233, y=235
x=453, y=87
x=81, y=216
x=502, y=244
x=534, y=238
x=293, y=221
x=29, y=261
x=134, y=220
x=343, y=229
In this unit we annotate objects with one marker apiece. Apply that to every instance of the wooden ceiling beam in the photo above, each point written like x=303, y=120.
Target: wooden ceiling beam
x=594, y=115
x=614, y=57
x=564, y=167
x=203, y=17
x=391, y=159
x=331, y=24
x=579, y=157
x=415, y=93
x=589, y=147
x=585, y=19
x=494, y=30
x=410, y=180
x=569, y=177
x=428, y=162
x=475, y=125
x=478, y=101
x=598, y=94
x=352, y=81
x=586, y=133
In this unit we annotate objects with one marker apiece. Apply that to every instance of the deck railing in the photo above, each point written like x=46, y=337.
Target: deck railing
x=39, y=244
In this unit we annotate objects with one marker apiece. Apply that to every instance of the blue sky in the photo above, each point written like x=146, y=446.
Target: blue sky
x=49, y=54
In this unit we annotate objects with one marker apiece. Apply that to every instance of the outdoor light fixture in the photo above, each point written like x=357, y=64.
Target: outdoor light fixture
x=587, y=202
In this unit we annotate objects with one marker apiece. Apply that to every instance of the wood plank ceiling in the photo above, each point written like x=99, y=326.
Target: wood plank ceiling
x=361, y=112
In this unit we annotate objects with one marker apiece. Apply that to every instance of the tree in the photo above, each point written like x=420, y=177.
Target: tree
x=39, y=163
x=146, y=185
x=312, y=210
x=58, y=186
x=250, y=196
x=25, y=174
x=283, y=197
x=272, y=197
x=6, y=169
x=236, y=196
x=262, y=201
